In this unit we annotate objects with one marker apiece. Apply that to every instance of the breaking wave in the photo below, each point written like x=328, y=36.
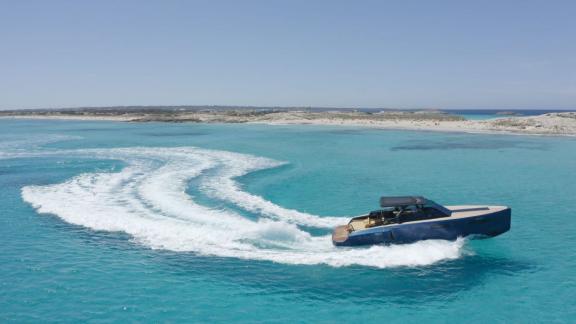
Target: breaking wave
x=147, y=199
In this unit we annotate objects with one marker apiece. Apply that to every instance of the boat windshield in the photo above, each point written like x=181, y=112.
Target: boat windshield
x=396, y=215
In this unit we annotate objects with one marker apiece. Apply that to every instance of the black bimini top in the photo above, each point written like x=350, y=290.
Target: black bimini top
x=402, y=201
x=405, y=201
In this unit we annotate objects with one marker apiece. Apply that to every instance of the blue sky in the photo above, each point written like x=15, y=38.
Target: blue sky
x=404, y=54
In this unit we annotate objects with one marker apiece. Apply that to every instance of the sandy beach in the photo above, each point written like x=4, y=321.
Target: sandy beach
x=559, y=124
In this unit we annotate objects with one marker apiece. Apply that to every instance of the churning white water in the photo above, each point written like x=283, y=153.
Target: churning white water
x=147, y=199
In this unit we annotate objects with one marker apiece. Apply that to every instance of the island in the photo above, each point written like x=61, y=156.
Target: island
x=560, y=123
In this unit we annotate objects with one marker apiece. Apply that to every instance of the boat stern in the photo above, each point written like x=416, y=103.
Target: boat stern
x=340, y=235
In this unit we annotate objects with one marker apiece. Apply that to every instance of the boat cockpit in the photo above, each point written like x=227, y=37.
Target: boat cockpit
x=398, y=210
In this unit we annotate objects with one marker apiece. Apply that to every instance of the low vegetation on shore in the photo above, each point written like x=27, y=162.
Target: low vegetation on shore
x=228, y=114
x=548, y=124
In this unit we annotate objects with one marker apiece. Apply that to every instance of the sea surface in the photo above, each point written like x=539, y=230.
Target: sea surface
x=483, y=114
x=114, y=222
x=480, y=114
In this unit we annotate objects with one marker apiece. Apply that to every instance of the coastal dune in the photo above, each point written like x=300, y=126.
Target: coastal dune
x=562, y=123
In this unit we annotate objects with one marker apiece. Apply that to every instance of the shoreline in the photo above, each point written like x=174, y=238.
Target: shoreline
x=551, y=124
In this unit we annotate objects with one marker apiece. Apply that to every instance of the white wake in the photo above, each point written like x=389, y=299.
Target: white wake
x=147, y=199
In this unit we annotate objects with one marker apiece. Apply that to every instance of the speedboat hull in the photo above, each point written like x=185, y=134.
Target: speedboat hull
x=465, y=221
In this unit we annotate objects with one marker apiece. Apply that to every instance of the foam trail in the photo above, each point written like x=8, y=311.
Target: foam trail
x=16, y=147
x=223, y=186
x=10, y=142
x=147, y=199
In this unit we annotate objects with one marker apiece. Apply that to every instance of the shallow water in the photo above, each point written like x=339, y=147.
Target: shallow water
x=166, y=222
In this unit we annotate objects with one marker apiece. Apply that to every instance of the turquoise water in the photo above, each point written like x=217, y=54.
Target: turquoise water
x=481, y=116
x=171, y=222
x=484, y=114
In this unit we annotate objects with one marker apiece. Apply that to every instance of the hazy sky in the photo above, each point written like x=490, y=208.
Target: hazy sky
x=445, y=54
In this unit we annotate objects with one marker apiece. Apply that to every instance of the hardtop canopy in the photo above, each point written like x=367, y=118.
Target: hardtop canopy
x=404, y=201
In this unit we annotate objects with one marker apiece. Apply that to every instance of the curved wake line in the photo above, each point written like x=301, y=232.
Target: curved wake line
x=148, y=200
x=11, y=142
x=16, y=147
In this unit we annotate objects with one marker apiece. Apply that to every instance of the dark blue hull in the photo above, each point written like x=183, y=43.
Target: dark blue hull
x=485, y=225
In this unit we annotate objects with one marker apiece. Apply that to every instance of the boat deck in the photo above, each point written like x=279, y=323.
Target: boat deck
x=340, y=233
x=457, y=212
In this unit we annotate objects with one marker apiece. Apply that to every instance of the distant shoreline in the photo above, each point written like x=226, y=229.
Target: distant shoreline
x=560, y=123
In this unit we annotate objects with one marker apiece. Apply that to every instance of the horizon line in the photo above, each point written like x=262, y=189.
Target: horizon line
x=278, y=107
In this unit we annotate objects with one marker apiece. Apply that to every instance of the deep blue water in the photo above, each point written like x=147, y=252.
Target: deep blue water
x=160, y=222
